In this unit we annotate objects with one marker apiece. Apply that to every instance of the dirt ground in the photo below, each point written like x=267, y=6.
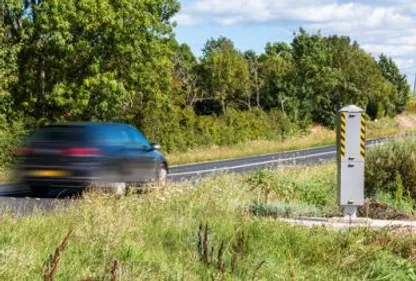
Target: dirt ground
x=380, y=211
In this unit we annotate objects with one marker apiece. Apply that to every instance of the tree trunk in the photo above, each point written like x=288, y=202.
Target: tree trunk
x=282, y=104
x=256, y=78
x=42, y=74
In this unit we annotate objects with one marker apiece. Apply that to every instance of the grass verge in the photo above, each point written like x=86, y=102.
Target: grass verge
x=204, y=230
x=4, y=176
x=316, y=136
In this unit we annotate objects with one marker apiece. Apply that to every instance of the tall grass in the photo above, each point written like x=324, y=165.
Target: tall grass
x=315, y=136
x=204, y=230
x=319, y=136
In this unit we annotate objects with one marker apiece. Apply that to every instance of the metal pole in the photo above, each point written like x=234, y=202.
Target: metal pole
x=350, y=212
x=414, y=87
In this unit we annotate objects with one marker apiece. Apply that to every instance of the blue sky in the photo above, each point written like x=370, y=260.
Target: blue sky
x=379, y=26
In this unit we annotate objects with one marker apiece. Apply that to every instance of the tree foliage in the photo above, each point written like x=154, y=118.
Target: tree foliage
x=226, y=74
x=118, y=60
x=391, y=72
x=85, y=59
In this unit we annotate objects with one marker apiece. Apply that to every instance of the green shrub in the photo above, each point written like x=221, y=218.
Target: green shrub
x=391, y=168
x=10, y=136
x=181, y=129
x=285, y=210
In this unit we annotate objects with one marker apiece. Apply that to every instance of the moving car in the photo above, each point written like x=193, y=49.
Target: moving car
x=89, y=154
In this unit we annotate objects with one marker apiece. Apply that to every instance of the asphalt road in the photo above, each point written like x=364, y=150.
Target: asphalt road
x=16, y=198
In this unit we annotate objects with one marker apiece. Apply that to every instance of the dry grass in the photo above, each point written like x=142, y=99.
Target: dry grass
x=52, y=265
x=3, y=176
x=317, y=136
x=155, y=236
x=8, y=176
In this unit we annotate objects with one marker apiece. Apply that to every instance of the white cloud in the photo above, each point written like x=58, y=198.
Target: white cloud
x=406, y=64
x=382, y=26
x=186, y=19
x=229, y=20
x=391, y=50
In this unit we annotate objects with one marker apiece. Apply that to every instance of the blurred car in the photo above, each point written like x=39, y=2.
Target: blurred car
x=89, y=154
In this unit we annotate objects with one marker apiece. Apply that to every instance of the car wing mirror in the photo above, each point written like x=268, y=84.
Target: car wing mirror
x=155, y=146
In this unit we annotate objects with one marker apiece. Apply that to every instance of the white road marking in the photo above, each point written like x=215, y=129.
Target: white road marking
x=264, y=162
x=253, y=156
x=252, y=164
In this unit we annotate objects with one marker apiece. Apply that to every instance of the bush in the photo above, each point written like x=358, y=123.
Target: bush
x=411, y=105
x=391, y=168
x=181, y=129
x=10, y=136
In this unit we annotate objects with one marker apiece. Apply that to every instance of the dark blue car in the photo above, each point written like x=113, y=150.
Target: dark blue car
x=109, y=155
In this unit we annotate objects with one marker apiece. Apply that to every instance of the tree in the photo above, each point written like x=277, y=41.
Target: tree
x=8, y=67
x=226, y=74
x=119, y=60
x=391, y=72
x=100, y=60
x=185, y=76
x=316, y=80
x=280, y=49
x=276, y=74
x=254, y=69
x=332, y=72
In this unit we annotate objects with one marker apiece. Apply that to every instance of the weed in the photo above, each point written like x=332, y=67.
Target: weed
x=262, y=181
x=219, y=261
x=203, y=244
x=293, y=267
x=154, y=239
x=113, y=270
x=52, y=264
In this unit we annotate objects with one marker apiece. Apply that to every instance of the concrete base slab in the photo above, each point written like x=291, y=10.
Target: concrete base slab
x=344, y=223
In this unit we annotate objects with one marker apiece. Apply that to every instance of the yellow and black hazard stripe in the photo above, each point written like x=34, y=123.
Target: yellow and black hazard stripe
x=363, y=135
x=343, y=131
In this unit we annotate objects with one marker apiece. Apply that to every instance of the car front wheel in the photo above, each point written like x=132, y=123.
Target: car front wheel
x=162, y=175
x=117, y=188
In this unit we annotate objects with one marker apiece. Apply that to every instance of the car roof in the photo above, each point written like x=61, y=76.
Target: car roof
x=88, y=124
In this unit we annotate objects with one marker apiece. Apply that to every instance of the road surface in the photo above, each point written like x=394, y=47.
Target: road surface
x=16, y=198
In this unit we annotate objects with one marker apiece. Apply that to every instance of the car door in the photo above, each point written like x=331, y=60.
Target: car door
x=119, y=161
x=143, y=157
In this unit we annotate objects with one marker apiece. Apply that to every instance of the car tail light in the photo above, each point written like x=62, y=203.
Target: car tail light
x=81, y=152
x=24, y=151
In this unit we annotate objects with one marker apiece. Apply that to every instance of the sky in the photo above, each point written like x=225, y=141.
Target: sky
x=379, y=26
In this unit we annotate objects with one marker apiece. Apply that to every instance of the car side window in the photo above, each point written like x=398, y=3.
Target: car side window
x=112, y=137
x=124, y=137
x=138, y=139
